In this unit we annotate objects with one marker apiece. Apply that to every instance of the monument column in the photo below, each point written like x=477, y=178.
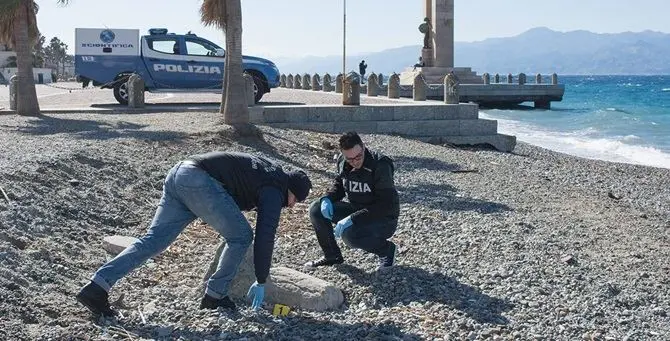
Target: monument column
x=443, y=36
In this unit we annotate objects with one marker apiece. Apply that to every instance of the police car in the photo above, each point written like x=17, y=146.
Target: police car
x=167, y=62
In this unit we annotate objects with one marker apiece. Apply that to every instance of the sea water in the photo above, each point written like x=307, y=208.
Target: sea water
x=612, y=118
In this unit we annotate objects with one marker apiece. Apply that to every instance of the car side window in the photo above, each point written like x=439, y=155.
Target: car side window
x=170, y=46
x=199, y=48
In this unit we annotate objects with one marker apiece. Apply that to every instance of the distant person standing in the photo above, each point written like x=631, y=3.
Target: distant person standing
x=361, y=68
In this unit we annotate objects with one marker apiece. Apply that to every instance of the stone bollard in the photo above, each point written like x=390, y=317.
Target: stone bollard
x=339, y=80
x=419, y=88
x=522, y=78
x=394, y=86
x=372, y=85
x=351, y=89
x=296, y=82
x=487, y=78
x=135, y=85
x=289, y=81
x=451, y=89
x=327, y=86
x=554, y=79
x=316, y=82
x=306, y=82
x=249, y=87
x=282, y=81
x=380, y=80
x=496, y=78
x=510, y=79
x=13, y=92
x=538, y=79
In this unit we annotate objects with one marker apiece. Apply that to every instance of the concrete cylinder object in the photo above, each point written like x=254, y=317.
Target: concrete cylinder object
x=394, y=86
x=135, y=86
x=339, y=80
x=538, y=79
x=289, y=81
x=316, y=82
x=327, y=86
x=13, y=92
x=554, y=79
x=351, y=89
x=249, y=87
x=372, y=85
x=451, y=89
x=306, y=82
x=487, y=78
x=419, y=88
x=522, y=78
x=282, y=81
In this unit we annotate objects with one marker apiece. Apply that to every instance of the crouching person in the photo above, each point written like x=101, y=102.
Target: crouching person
x=370, y=217
x=216, y=187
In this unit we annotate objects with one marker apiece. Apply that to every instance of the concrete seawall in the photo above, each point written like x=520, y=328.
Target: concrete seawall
x=457, y=124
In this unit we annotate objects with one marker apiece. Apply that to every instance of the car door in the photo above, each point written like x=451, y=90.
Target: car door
x=167, y=63
x=206, y=65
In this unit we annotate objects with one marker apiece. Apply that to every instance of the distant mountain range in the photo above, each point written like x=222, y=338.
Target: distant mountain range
x=538, y=50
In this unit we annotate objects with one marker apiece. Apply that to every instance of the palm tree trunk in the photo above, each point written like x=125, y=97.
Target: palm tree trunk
x=26, y=101
x=224, y=84
x=236, y=111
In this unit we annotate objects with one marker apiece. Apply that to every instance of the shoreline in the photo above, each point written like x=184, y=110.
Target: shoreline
x=534, y=243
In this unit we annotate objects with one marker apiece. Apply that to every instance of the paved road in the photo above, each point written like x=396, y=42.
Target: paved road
x=67, y=95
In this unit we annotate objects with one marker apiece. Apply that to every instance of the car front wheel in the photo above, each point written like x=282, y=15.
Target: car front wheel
x=121, y=92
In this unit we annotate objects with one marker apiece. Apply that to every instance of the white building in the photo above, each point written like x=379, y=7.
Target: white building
x=41, y=75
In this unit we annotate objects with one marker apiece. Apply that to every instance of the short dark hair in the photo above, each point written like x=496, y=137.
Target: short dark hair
x=349, y=140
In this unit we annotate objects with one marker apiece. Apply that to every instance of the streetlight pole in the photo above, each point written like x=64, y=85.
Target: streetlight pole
x=344, y=39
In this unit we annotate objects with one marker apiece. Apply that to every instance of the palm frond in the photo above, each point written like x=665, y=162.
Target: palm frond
x=213, y=13
x=9, y=10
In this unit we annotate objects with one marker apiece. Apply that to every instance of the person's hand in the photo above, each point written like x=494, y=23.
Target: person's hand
x=256, y=294
x=342, y=225
x=327, y=208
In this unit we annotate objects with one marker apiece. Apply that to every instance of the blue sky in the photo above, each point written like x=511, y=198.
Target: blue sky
x=295, y=28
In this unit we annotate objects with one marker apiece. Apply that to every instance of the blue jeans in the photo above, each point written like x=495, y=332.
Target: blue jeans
x=188, y=192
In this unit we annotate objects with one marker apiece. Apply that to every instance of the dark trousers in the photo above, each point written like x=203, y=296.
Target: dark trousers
x=370, y=237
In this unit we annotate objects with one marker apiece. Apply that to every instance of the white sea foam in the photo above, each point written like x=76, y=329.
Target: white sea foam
x=580, y=144
x=665, y=89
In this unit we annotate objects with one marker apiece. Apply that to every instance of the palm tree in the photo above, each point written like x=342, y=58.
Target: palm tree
x=227, y=15
x=18, y=29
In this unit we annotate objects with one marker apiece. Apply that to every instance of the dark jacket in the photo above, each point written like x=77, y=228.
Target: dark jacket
x=253, y=182
x=370, y=189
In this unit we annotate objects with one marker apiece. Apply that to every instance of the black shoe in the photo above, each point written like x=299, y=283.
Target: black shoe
x=323, y=261
x=96, y=299
x=209, y=302
x=386, y=262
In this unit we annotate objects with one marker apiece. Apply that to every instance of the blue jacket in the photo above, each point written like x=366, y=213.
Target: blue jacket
x=254, y=183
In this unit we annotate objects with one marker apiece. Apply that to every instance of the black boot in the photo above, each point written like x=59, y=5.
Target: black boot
x=209, y=302
x=96, y=299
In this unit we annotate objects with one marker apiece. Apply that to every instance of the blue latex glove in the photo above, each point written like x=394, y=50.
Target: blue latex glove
x=342, y=225
x=257, y=294
x=327, y=208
